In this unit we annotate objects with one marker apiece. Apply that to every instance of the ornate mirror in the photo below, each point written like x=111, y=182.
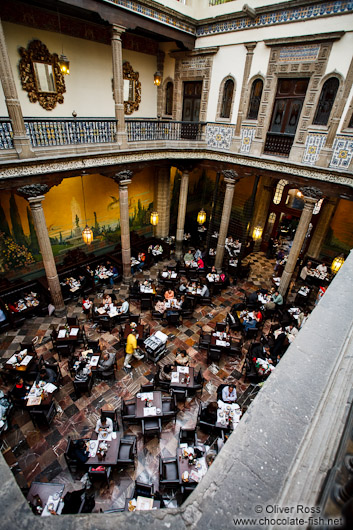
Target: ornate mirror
x=132, y=89
x=41, y=76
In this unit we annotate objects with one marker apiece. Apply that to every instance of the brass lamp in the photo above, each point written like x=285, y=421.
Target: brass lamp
x=201, y=216
x=154, y=218
x=157, y=78
x=257, y=233
x=87, y=233
x=64, y=64
x=337, y=264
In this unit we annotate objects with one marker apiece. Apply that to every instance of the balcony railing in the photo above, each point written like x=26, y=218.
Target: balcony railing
x=6, y=134
x=144, y=130
x=68, y=131
x=278, y=144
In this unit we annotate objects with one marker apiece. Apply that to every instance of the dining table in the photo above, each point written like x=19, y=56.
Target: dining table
x=228, y=415
x=50, y=495
x=112, y=440
x=154, y=408
x=141, y=504
x=194, y=472
x=20, y=361
x=68, y=334
x=40, y=394
x=180, y=375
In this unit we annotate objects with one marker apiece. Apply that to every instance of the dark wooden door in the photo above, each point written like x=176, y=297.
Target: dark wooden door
x=191, y=109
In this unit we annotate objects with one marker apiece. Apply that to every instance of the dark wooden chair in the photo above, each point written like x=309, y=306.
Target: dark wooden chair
x=128, y=412
x=101, y=474
x=151, y=427
x=43, y=416
x=169, y=408
x=127, y=452
x=168, y=473
x=188, y=436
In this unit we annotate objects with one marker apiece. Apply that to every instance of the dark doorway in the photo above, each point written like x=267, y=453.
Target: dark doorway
x=191, y=109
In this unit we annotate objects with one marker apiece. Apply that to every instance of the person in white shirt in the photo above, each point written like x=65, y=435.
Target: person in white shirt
x=104, y=424
x=198, y=254
x=237, y=247
x=229, y=394
x=205, y=291
x=292, y=332
x=322, y=269
x=124, y=307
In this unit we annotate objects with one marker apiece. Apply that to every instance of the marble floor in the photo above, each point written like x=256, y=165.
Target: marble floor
x=38, y=454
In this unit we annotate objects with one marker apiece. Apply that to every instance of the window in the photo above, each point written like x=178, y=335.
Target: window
x=326, y=101
x=255, y=98
x=279, y=190
x=227, y=98
x=169, y=98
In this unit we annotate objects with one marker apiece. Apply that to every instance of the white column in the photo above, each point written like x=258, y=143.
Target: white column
x=123, y=178
x=230, y=178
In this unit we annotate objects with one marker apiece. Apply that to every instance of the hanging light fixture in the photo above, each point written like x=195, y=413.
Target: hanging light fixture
x=201, y=216
x=63, y=61
x=154, y=218
x=87, y=234
x=157, y=78
x=257, y=233
x=337, y=264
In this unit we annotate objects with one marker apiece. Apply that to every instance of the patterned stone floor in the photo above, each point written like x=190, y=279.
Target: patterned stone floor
x=35, y=454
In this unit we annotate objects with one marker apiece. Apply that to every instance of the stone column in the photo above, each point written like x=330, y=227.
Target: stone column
x=118, y=81
x=262, y=204
x=34, y=194
x=326, y=213
x=230, y=178
x=21, y=141
x=311, y=196
x=183, y=197
x=250, y=46
x=123, y=178
x=162, y=203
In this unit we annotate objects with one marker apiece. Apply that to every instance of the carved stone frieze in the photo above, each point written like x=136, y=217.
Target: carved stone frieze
x=230, y=174
x=33, y=190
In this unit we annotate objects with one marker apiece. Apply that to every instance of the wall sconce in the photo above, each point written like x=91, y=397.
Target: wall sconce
x=257, y=233
x=337, y=264
x=154, y=218
x=157, y=78
x=201, y=216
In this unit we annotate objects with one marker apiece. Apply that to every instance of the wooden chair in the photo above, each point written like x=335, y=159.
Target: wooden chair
x=168, y=473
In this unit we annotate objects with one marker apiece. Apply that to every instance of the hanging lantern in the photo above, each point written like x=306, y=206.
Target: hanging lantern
x=337, y=264
x=87, y=235
x=154, y=218
x=201, y=216
x=157, y=78
x=64, y=64
x=257, y=233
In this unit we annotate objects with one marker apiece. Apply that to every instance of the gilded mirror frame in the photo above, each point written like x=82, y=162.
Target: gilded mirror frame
x=128, y=73
x=37, y=52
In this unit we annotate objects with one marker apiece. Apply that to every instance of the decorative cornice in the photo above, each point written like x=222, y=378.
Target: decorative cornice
x=270, y=16
x=15, y=169
x=33, y=190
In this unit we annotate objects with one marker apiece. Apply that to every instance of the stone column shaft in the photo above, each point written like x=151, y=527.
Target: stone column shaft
x=183, y=197
x=322, y=227
x=118, y=81
x=125, y=228
x=21, y=141
x=249, y=57
x=298, y=241
x=162, y=204
x=46, y=251
x=223, y=229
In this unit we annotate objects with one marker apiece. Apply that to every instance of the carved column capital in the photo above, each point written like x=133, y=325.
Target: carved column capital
x=33, y=191
x=117, y=31
x=250, y=47
x=311, y=193
x=231, y=177
x=123, y=178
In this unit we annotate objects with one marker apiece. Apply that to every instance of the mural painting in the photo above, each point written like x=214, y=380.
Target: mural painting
x=65, y=217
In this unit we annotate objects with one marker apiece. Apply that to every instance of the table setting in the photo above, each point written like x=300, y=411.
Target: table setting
x=228, y=414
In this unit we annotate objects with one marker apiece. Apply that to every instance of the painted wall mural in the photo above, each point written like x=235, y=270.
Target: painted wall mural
x=65, y=217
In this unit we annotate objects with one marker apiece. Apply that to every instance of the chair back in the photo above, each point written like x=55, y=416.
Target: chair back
x=135, y=318
x=72, y=321
x=149, y=387
x=221, y=326
x=143, y=489
x=113, y=415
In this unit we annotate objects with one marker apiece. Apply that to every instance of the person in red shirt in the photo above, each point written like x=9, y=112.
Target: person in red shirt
x=200, y=263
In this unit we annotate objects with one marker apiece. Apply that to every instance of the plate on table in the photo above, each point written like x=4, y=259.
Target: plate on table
x=56, y=496
x=228, y=407
x=158, y=411
x=50, y=506
x=138, y=395
x=104, y=434
x=92, y=445
x=221, y=414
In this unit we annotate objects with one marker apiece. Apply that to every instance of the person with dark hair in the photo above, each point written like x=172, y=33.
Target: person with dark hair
x=104, y=424
x=46, y=374
x=166, y=374
x=182, y=358
x=210, y=412
x=20, y=390
x=80, y=450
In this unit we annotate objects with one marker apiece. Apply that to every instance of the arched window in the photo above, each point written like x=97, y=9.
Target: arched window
x=279, y=190
x=326, y=101
x=255, y=98
x=169, y=98
x=227, y=98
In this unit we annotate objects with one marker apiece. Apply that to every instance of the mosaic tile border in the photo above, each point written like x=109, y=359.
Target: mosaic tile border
x=247, y=136
x=283, y=16
x=219, y=136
